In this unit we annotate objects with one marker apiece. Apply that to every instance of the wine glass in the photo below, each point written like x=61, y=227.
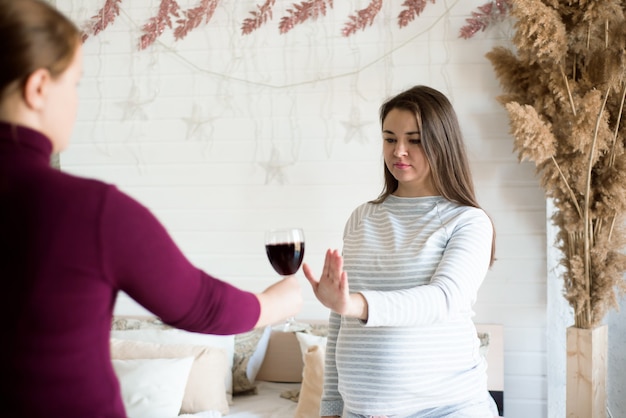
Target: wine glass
x=285, y=251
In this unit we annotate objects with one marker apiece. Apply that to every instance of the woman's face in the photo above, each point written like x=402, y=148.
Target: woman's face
x=404, y=155
x=59, y=114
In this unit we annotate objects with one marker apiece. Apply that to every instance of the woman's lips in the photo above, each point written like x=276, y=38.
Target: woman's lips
x=401, y=165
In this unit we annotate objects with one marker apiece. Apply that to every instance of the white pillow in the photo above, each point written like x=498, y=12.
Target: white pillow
x=256, y=359
x=205, y=386
x=177, y=336
x=153, y=388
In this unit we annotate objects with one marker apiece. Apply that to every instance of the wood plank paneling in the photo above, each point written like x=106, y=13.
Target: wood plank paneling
x=290, y=135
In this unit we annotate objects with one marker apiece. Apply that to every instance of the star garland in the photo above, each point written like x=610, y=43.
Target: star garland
x=171, y=16
x=275, y=168
x=133, y=106
x=355, y=126
x=196, y=122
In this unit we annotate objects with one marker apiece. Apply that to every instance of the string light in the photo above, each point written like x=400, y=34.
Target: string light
x=197, y=121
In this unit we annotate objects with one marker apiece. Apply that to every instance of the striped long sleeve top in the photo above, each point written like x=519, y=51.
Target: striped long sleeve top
x=419, y=263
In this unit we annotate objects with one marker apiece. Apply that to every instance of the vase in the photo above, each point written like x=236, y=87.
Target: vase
x=587, y=353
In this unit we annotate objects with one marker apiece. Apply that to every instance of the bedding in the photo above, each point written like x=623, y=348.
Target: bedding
x=277, y=374
x=200, y=393
x=266, y=403
x=152, y=330
x=153, y=387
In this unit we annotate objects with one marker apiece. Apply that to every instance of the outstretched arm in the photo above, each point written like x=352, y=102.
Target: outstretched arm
x=280, y=301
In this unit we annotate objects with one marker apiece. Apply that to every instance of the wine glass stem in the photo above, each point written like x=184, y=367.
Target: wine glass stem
x=289, y=324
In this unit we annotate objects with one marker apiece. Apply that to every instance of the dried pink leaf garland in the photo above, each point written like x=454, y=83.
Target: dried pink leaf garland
x=487, y=15
x=194, y=17
x=302, y=12
x=363, y=18
x=413, y=8
x=259, y=17
x=157, y=24
x=105, y=16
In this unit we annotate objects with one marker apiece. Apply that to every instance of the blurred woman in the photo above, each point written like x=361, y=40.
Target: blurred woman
x=69, y=244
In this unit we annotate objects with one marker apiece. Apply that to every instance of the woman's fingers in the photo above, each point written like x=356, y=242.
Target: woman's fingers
x=326, y=269
x=309, y=274
x=337, y=261
x=331, y=273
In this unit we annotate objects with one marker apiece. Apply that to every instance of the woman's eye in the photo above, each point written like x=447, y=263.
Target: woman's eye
x=415, y=141
x=389, y=140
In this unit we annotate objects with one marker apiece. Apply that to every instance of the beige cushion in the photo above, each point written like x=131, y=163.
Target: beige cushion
x=306, y=341
x=283, y=360
x=205, y=388
x=151, y=329
x=312, y=383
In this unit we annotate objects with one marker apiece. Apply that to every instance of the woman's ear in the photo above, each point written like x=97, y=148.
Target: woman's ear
x=36, y=88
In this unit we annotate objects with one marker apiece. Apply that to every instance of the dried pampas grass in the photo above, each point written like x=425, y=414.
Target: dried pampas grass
x=564, y=89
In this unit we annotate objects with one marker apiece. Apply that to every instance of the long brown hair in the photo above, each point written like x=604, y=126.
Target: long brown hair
x=443, y=146
x=34, y=35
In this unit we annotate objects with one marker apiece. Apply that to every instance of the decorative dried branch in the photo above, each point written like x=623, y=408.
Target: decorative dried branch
x=259, y=18
x=157, y=24
x=565, y=94
x=103, y=18
x=299, y=13
x=194, y=17
x=302, y=12
x=487, y=15
x=413, y=8
x=617, y=125
x=363, y=18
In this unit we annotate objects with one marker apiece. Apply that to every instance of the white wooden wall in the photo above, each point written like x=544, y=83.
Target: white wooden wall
x=224, y=136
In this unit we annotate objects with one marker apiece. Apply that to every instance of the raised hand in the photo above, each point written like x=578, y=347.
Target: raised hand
x=332, y=289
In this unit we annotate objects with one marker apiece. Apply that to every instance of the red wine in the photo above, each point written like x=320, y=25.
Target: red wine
x=285, y=258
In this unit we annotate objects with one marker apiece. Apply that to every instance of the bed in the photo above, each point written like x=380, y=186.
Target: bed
x=265, y=373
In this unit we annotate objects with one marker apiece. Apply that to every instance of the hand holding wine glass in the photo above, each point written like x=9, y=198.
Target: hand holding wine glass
x=285, y=251
x=281, y=300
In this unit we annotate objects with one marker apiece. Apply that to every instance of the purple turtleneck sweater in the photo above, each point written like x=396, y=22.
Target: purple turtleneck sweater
x=67, y=246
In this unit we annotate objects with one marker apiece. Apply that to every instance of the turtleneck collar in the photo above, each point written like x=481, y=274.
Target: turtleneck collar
x=26, y=140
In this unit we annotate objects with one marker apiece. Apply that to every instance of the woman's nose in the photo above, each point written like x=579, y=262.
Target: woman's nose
x=399, y=150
